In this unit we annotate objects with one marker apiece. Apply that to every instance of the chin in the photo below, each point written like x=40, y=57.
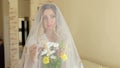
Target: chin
x=49, y=28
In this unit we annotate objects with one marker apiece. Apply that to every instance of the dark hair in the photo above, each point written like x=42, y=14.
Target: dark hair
x=48, y=6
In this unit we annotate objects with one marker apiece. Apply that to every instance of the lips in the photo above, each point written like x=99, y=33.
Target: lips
x=48, y=25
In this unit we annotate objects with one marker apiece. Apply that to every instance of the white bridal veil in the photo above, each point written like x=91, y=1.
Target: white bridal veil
x=50, y=56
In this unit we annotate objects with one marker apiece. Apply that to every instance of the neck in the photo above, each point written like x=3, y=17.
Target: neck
x=51, y=35
x=50, y=32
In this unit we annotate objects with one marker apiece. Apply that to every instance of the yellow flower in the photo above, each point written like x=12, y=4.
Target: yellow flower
x=64, y=57
x=46, y=60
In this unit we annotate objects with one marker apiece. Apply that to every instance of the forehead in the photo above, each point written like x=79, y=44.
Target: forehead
x=48, y=12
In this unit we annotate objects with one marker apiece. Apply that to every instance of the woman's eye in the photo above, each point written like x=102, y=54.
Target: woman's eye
x=52, y=16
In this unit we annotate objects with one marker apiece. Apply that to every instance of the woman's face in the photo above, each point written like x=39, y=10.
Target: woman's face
x=49, y=19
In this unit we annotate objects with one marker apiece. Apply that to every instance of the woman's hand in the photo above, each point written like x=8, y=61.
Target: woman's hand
x=32, y=52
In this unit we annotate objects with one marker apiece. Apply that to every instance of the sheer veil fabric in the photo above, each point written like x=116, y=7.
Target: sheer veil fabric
x=38, y=36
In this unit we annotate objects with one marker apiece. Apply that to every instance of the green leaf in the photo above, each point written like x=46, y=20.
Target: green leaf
x=46, y=65
x=61, y=44
x=55, y=63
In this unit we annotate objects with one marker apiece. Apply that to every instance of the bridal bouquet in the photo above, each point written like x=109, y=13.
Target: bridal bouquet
x=53, y=55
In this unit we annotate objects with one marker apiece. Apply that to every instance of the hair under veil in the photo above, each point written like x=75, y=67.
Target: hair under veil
x=64, y=41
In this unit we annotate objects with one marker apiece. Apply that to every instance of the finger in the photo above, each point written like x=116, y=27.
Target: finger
x=30, y=48
x=40, y=48
x=32, y=51
x=33, y=47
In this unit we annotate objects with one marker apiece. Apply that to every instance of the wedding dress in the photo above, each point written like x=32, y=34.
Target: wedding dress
x=60, y=53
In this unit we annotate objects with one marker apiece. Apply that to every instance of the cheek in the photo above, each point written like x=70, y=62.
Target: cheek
x=54, y=22
x=45, y=25
x=54, y=25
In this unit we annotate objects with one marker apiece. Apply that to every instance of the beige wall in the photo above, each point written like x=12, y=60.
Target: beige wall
x=90, y=64
x=1, y=19
x=5, y=11
x=24, y=8
x=95, y=25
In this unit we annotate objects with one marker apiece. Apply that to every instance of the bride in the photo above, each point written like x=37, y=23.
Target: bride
x=50, y=44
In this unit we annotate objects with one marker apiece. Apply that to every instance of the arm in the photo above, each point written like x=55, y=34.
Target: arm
x=30, y=57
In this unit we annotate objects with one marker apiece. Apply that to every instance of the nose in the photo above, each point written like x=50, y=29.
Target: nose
x=49, y=21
